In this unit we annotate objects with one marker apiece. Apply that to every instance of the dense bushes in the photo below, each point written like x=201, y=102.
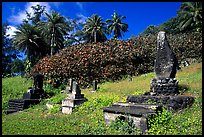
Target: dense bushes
x=113, y=59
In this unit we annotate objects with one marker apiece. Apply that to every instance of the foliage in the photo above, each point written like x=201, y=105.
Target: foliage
x=160, y=123
x=113, y=59
x=27, y=38
x=55, y=109
x=38, y=11
x=95, y=29
x=116, y=25
x=54, y=29
x=57, y=98
x=17, y=66
x=8, y=51
x=190, y=16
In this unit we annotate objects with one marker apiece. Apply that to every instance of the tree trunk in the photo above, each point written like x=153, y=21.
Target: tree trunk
x=94, y=36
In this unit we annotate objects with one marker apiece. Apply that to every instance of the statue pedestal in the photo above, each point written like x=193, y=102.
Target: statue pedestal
x=167, y=86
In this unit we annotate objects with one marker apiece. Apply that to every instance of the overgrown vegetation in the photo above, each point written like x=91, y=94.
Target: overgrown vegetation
x=113, y=59
x=88, y=117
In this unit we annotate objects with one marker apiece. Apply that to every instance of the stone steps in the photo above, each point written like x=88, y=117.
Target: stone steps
x=15, y=105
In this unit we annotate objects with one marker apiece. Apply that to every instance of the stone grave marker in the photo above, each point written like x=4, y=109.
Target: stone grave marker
x=69, y=86
x=32, y=96
x=94, y=86
x=74, y=98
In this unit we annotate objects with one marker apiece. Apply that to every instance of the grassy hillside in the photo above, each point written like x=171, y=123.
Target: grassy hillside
x=88, y=117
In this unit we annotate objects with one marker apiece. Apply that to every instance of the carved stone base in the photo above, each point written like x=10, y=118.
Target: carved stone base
x=165, y=86
x=69, y=104
x=173, y=103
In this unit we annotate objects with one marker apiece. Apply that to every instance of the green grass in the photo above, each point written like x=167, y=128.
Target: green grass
x=88, y=117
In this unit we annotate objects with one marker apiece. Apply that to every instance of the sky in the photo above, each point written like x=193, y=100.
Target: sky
x=139, y=15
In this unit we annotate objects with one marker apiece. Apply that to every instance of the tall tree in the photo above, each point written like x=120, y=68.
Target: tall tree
x=8, y=51
x=27, y=39
x=54, y=29
x=190, y=15
x=95, y=29
x=38, y=10
x=116, y=25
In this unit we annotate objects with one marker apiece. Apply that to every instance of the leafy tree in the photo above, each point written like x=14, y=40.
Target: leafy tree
x=190, y=16
x=95, y=29
x=38, y=11
x=77, y=36
x=27, y=39
x=116, y=25
x=8, y=51
x=54, y=29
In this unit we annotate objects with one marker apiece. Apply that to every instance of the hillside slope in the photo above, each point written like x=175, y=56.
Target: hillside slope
x=88, y=118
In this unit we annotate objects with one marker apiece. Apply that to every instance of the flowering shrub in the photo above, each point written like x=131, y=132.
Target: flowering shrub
x=113, y=59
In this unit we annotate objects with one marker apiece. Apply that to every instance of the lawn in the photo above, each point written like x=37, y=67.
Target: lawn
x=88, y=117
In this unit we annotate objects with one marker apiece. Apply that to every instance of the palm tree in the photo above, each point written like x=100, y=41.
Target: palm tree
x=190, y=15
x=54, y=29
x=28, y=40
x=95, y=29
x=116, y=26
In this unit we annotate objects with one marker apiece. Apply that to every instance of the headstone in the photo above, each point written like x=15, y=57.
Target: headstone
x=35, y=92
x=166, y=62
x=38, y=81
x=69, y=87
x=75, y=88
x=94, y=85
x=73, y=99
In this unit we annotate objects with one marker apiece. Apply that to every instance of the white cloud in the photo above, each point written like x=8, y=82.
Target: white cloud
x=18, y=18
x=10, y=31
x=82, y=18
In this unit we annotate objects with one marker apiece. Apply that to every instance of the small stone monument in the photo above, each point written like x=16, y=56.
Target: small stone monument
x=69, y=87
x=35, y=92
x=165, y=68
x=94, y=86
x=74, y=98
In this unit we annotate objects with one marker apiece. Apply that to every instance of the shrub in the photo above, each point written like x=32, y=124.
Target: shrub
x=111, y=60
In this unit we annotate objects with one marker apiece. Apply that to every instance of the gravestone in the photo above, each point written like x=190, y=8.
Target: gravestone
x=166, y=62
x=94, y=86
x=69, y=87
x=165, y=68
x=32, y=96
x=35, y=92
x=163, y=91
x=74, y=99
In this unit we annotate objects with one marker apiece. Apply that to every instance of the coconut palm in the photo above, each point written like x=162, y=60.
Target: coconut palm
x=191, y=15
x=116, y=25
x=95, y=29
x=54, y=29
x=27, y=39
